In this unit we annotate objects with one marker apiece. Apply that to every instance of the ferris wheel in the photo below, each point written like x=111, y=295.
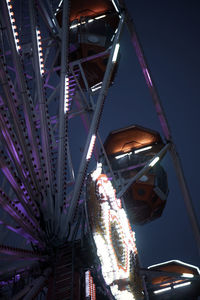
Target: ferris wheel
x=68, y=200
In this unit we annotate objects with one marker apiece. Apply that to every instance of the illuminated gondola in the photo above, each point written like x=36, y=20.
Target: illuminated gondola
x=92, y=29
x=174, y=280
x=128, y=150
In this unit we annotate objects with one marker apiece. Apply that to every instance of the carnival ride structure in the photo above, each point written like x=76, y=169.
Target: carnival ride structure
x=65, y=195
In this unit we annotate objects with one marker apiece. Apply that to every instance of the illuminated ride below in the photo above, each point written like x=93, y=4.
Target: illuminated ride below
x=114, y=238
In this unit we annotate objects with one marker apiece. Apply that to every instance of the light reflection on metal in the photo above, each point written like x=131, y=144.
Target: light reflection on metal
x=148, y=76
x=115, y=53
x=154, y=161
x=116, y=8
x=91, y=147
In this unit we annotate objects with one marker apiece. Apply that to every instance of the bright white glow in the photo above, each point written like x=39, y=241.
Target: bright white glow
x=96, y=89
x=66, y=95
x=114, y=266
x=97, y=172
x=100, y=17
x=182, y=284
x=84, y=22
x=96, y=86
x=113, y=2
x=75, y=25
x=142, y=149
x=112, y=38
x=175, y=261
x=123, y=155
x=13, y=25
x=148, y=76
x=90, y=149
x=59, y=5
x=87, y=289
x=90, y=290
x=187, y=275
x=115, y=53
x=154, y=161
x=40, y=54
x=162, y=290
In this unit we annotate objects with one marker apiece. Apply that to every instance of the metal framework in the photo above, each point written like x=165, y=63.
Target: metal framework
x=42, y=180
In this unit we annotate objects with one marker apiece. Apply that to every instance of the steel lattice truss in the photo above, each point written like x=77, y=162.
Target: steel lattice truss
x=46, y=105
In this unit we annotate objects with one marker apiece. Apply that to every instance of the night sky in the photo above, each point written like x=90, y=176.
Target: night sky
x=169, y=33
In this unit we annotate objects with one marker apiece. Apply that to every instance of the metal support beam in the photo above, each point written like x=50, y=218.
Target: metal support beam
x=37, y=284
x=11, y=145
x=63, y=116
x=29, y=229
x=144, y=170
x=23, y=91
x=92, y=133
x=186, y=194
x=20, y=253
x=49, y=17
x=17, y=267
x=26, y=202
x=42, y=108
x=12, y=107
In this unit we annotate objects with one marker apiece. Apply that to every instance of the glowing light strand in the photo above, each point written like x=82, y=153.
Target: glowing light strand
x=90, y=290
x=40, y=54
x=113, y=213
x=84, y=22
x=96, y=86
x=66, y=95
x=13, y=25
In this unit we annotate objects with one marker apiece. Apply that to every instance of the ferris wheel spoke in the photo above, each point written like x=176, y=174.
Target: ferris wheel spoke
x=20, y=253
x=63, y=109
x=18, y=186
x=43, y=108
x=79, y=86
x=23, y=90
x=90, y=142
x=34, y=286
x=12, y=106
x=27, y=227
x=49, y=17
x=16, y=271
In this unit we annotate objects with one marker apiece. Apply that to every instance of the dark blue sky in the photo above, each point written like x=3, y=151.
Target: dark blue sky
x=170, y=35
